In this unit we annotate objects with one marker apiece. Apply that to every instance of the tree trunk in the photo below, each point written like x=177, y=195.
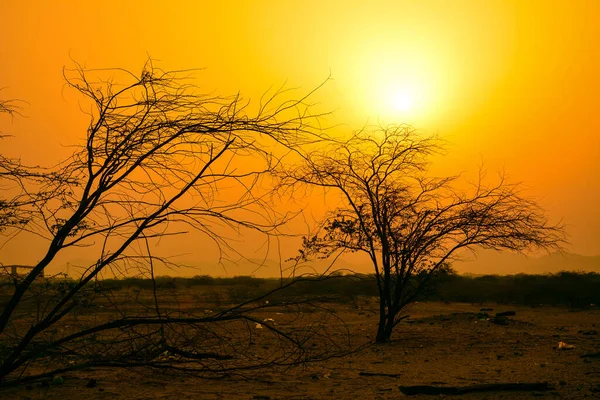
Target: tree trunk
x=389, y=325
x=382, y=322
x=385, y=326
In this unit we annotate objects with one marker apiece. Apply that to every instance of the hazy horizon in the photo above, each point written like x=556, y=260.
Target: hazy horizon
x=509, y=85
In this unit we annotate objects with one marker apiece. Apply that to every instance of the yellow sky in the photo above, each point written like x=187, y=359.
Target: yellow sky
x=512, y=83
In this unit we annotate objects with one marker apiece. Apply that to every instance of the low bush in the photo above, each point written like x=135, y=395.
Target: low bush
x=573, y=289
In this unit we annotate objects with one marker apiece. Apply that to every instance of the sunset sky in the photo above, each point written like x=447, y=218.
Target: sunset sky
x=512, y=84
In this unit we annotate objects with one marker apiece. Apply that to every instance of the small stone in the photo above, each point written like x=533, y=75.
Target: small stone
x=506, y=314
x=57, y=380
x=91, y=383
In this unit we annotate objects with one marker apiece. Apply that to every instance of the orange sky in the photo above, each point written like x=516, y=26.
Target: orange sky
x=512, y=83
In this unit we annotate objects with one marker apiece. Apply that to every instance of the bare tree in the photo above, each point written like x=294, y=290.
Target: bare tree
x=156, y=161
x=410, y=225
x=21, y=185
x=9, y=107
x=23, y=189
x=10, y=171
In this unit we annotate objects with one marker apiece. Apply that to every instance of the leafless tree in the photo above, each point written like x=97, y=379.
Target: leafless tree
x=20, y=185
x=158, y=159
x=411, y=225
x=9, y=107
x=10, y=171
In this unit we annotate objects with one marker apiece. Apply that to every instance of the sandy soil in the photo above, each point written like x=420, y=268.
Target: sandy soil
x=440, y=344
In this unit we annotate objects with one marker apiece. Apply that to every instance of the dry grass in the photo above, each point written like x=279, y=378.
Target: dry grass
x=443, y=344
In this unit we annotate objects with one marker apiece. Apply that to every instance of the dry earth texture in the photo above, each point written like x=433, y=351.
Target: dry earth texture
x=440, y=344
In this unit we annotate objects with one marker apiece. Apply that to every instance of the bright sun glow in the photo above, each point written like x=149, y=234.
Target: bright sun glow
x=403, y=101
x=399, y=97
x=394, y=88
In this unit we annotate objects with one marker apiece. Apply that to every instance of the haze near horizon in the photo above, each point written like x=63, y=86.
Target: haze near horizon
x=507, y=84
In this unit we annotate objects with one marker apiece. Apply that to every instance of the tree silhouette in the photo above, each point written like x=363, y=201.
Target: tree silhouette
x=11, y=171
x=156, y=156
x=410, y=225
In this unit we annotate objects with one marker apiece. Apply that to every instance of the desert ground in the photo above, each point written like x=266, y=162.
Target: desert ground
x=439, y=344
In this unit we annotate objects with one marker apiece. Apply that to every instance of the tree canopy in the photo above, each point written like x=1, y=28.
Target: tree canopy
x=410, y=224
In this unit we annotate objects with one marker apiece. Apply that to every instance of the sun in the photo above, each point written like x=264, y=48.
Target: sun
x=398, y=96
x=391, y=87
x=402, y=101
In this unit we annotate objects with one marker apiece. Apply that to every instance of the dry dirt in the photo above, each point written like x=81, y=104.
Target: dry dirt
x=440, y=344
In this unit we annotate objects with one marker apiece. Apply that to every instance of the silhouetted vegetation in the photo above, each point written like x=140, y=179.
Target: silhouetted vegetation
x=410, y=224
x=157, y=160
x=572, y=289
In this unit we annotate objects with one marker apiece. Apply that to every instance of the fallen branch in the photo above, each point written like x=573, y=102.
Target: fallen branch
x=590, y=355
x=364, y=373
x=506, y=314
x=197, y=356
x=490, y=387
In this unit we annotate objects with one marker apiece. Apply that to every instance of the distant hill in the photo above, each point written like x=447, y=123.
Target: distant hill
x=503, y=263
